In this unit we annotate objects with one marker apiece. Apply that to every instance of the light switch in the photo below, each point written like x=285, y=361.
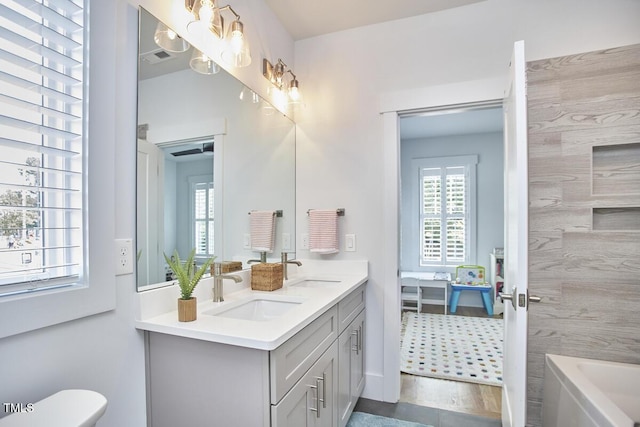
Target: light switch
x=350, y=243
x=246, y=241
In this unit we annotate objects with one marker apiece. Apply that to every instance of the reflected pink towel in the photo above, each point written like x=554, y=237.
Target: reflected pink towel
x=323, y=231
x=263, y=231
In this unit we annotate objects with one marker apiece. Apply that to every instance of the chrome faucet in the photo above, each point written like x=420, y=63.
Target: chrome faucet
x=263, y=258
x=218, y=277
x=285, y=261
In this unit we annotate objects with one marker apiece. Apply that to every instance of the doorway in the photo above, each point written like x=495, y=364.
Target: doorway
x=430, y=141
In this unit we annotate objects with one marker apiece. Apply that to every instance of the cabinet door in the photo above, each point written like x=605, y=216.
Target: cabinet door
x=350, y=368
x=312, y=401
x=357, y=372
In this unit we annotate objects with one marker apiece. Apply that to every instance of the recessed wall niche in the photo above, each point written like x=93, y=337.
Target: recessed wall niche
x=616, y=219
x=616, y=169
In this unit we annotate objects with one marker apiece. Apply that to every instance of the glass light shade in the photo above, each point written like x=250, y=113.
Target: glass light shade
x=206, y=16
x=295, y=96
x=236, y=52
x=169, y=40
x=202, y=64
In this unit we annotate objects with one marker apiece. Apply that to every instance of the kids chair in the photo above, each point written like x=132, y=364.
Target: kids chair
x=470, y=278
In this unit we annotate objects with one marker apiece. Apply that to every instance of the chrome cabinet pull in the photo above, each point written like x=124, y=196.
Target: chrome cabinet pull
x=360, y=337
x=323, y=378
x=317, y=408
x=356, y=348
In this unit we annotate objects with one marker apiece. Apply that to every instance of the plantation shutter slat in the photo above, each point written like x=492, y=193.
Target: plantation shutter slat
x=42, y=126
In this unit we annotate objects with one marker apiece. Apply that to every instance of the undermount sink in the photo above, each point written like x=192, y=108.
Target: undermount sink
x=258, y=309
x=315, y=283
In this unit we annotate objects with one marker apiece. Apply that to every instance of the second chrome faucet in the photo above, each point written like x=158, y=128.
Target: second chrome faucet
x=285, y=262
x=218, y=277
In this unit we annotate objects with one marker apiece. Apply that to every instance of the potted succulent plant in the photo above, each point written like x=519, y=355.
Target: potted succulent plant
x=188, y=277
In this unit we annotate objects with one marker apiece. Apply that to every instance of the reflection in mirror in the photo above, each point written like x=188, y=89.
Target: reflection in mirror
x=209, y=152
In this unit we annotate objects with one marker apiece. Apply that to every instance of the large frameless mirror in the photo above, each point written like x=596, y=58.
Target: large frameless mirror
x=210, y=151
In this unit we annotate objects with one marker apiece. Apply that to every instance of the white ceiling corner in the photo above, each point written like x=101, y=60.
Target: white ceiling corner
x=305, y=19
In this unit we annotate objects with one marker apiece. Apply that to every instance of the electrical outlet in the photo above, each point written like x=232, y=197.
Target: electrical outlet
x=305, y=241
x=124, y=256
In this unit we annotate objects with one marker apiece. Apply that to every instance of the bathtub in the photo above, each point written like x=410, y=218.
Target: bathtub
x=590, y=393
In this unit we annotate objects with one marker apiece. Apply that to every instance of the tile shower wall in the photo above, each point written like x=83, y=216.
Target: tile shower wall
x=584, y=196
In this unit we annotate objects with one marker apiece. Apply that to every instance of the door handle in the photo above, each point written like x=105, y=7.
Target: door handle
x=522, y=300
x=510, y=297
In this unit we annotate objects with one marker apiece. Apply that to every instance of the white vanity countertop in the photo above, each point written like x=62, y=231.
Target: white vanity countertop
x=263, y=335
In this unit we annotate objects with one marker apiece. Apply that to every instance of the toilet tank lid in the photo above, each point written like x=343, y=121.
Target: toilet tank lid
x=68, y=408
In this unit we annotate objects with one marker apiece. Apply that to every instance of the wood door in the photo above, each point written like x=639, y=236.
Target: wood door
x=150, y=216
x=514, y=390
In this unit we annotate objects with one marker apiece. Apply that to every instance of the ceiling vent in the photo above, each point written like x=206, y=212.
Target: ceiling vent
x=157, y=56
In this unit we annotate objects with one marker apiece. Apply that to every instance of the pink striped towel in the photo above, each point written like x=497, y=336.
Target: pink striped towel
x=263, y=231
x=323, y=231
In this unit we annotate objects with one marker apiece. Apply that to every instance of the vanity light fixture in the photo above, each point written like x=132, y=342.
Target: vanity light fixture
x=294, y=89
x=208, y=15
x=169, y=40
x=202, y=64
x=276, y=75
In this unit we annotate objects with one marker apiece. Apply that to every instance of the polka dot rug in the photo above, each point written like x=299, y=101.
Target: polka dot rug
x=452, y=347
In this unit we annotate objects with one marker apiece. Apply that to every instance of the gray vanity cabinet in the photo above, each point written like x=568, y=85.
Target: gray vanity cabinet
x=351, y=368
x=351, y=317
x=312, y=379
x=312, y=401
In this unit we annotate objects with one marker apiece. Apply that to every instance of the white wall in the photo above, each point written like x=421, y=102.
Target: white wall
x=347, y=75
x=105, y=352
x=489, y=196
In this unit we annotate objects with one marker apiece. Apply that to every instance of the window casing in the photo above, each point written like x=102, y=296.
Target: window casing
x=446, y=210
x=42, y=144
x=94, y=291
x=202, y=206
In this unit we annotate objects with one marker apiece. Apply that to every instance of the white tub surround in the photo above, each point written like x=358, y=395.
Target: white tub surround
x=158, y=307
x=590, y=393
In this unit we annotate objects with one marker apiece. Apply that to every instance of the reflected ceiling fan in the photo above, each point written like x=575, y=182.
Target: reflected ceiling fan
x=206, y=148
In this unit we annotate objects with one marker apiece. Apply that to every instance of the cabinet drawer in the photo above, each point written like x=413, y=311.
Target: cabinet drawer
x=292, y=360
x=350, y=306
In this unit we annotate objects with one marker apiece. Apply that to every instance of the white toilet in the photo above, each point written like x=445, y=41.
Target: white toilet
x=66, y=408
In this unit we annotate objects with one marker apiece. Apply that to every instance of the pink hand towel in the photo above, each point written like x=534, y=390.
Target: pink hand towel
x=323, y=231
x=263, y=231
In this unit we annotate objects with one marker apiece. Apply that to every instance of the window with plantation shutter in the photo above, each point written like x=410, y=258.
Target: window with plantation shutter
x=447, y=204
x=202, y=196
x=41, y=144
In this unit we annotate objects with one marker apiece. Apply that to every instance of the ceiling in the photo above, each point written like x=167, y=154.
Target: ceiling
x=455, y=122
x=304, y=19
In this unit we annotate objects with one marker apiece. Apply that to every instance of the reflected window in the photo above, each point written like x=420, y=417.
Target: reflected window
x=203, y=218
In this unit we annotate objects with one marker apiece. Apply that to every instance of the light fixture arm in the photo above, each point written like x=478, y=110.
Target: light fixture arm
x=190, y=4
x=228, y=7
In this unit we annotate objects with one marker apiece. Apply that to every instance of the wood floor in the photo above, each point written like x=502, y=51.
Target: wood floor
x=457, y=396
